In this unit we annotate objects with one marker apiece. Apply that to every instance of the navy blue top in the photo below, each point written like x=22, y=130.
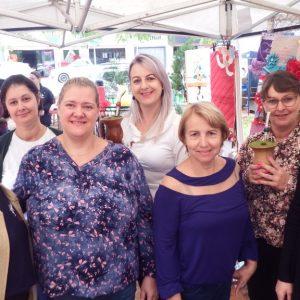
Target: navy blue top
x=199, y=238
x=21, y=275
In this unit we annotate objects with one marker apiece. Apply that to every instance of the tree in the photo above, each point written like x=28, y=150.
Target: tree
x=177, y=77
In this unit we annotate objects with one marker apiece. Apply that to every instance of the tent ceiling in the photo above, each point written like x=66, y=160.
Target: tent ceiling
x=227, y=19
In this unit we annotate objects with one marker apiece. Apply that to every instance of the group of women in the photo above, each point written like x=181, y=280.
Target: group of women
x=94, y=227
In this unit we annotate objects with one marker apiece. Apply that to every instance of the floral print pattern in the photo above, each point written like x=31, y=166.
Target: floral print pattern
x=268, y=206
x=91, y=225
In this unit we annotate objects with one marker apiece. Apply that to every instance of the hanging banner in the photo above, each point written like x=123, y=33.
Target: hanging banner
x=222, y=68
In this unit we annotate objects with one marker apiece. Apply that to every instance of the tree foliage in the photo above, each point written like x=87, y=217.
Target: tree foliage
x=177, y=77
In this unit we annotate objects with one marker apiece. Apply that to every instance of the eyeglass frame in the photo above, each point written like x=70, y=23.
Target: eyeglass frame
x=295, y=97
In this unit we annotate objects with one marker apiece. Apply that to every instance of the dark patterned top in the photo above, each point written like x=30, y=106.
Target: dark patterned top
x=91, y=225
x=269, y=206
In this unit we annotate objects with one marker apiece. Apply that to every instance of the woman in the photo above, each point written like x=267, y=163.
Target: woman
x=288, y=285
x=89, y=208
x=270, y=188
x=16, y=268
x=150, y=129
x=20, y=100
x=201, y=220
x=47, y=98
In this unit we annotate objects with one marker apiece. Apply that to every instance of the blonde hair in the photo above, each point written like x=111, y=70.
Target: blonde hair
x=210, y=113
x=79, y=82
x=157, y=69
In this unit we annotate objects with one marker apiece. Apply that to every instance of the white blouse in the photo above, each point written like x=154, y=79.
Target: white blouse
x=157, y=155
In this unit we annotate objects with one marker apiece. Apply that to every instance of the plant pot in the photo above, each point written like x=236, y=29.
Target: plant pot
x=112, y=129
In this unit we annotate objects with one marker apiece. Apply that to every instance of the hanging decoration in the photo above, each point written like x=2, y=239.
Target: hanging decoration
x=293, y=66
x=256, y=67
x=227, y=59
x=222, y=66
x=272, y=63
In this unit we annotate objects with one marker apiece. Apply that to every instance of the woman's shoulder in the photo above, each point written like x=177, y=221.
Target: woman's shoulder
x=119, y=151
x=44, y=149
x=6, y=138
x=170, y=183
x=126, y=121
x=55, y=131
x=172, y=120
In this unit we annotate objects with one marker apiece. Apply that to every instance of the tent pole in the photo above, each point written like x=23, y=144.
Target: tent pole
x=238, y=101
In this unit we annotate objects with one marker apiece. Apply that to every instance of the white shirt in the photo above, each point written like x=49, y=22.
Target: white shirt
x=17, y=149
x=157, y=155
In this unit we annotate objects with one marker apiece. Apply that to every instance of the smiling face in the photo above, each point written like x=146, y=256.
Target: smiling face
x=203, y=142
x=145, y=86
x=283, y=117
x=78, y=111
x=21, y=104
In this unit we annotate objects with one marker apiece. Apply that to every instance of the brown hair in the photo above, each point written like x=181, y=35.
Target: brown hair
x=37, y=74
x=209, y=112
x=79, y=82
x=282, y=81
x=17, y=80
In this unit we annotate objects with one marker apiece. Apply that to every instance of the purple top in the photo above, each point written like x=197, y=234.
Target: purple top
x=198, y=239
x=91, y=225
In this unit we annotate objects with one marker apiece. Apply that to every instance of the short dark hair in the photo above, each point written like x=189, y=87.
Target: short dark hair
x=16, y=80
x=282, y=81
x=37, y=74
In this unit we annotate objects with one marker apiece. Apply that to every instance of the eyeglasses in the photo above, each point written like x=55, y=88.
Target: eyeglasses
x=287, y=101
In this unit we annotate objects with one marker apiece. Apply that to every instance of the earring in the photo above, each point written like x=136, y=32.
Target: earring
x=133, y=98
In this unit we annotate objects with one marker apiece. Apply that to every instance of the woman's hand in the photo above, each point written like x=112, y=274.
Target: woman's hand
x=148, y=289
x=243, y=274
x=284, y=290
x=175, y=297
x=272, y=175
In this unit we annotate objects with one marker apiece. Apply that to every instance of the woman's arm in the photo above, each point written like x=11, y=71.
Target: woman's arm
x=28, y=171
x=145, y=232
x=284, y=290
x=243, y=274
x=290, y=250
x=166, y=225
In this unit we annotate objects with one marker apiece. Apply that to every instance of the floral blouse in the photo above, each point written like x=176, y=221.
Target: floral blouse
x=91, y=225
x=268, y=206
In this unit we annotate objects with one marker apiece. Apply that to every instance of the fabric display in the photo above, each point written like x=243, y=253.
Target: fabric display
x=264, y=50
x=284, y=49
x=265, y=46
x=222, y=66
x=284, y=54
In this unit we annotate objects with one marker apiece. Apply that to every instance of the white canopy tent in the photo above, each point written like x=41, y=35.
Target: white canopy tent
x=226, y=19
x=90, y=19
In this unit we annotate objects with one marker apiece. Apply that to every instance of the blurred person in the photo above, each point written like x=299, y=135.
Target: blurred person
x=3, y=126
x=201, y=219
x=270, y=188
x=89, y=208
x=20, y=100
x=46, y=96
x=288, y=285
x=150, y=129
x=16, y=267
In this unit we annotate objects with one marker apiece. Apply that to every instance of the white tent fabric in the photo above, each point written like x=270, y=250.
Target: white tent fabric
x=226, y=19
